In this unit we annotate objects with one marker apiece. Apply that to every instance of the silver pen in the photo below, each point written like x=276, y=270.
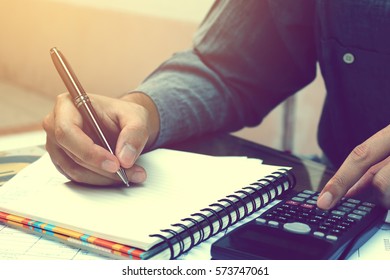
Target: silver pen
x=83, y=104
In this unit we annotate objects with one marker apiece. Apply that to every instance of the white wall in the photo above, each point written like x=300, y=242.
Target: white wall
x=184, y=10
x=150, y=31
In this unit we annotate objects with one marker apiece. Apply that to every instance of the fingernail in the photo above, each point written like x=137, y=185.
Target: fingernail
x=138, y=177
x=127, y=154
x=325, y=200
x=109, y=166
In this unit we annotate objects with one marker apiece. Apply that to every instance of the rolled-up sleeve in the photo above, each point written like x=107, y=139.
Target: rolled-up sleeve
x=247, y=57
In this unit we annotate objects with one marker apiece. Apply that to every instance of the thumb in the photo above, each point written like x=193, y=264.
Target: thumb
x=131, y=142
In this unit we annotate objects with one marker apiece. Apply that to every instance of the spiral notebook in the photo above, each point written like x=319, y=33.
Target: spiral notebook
x=186, y=199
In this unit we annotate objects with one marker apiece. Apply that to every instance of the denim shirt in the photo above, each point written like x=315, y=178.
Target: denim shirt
x=249, y=55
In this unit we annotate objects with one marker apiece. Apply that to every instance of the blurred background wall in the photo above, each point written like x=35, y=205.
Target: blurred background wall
x=112, y=45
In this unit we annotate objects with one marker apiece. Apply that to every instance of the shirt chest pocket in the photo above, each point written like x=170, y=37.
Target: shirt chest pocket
x=354, y=54
x=362, y=24
x=355, y=71
x=354, y=42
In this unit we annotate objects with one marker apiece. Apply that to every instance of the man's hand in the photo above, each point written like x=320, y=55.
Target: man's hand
x=367, y=166
x=132, y=120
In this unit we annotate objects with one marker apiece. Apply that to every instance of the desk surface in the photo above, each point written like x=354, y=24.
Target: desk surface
x=309, y=174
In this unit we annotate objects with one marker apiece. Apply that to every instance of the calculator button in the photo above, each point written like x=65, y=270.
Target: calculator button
x=303, y=195
x=360, y=212
x=290, y=202
x=368, y=204
x=309, y=191
x=355, y=201
x=297, y=227
x=337, y=212
x=308, y=206
x=273, y=223
x=331, y=237
x=261, y=221
x=344, y=209
x=311, y=201
x=318, y=234
x=350, y=205
x=355, y=216
x=298, y=199
x=365, y=208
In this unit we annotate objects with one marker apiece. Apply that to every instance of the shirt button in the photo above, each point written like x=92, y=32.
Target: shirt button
x=348, y=58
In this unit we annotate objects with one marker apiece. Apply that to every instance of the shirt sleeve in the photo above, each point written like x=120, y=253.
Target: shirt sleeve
x=247, y=57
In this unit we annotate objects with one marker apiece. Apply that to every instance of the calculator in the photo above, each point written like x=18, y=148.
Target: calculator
x=295, y=228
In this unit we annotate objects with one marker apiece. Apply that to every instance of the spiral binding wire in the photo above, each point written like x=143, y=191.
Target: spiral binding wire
x=248, y=195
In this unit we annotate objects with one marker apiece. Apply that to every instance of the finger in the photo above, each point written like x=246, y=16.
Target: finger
x=136, y=174
x=367, y=154
x=381, y=185
x=366, y=180
x=64, y=155
x=69, y=135
x=75, y=172
x=131, y=142
x=64, y=131
x=133, y=136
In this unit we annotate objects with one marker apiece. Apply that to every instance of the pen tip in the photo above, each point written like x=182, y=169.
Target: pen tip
x=122, y=174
